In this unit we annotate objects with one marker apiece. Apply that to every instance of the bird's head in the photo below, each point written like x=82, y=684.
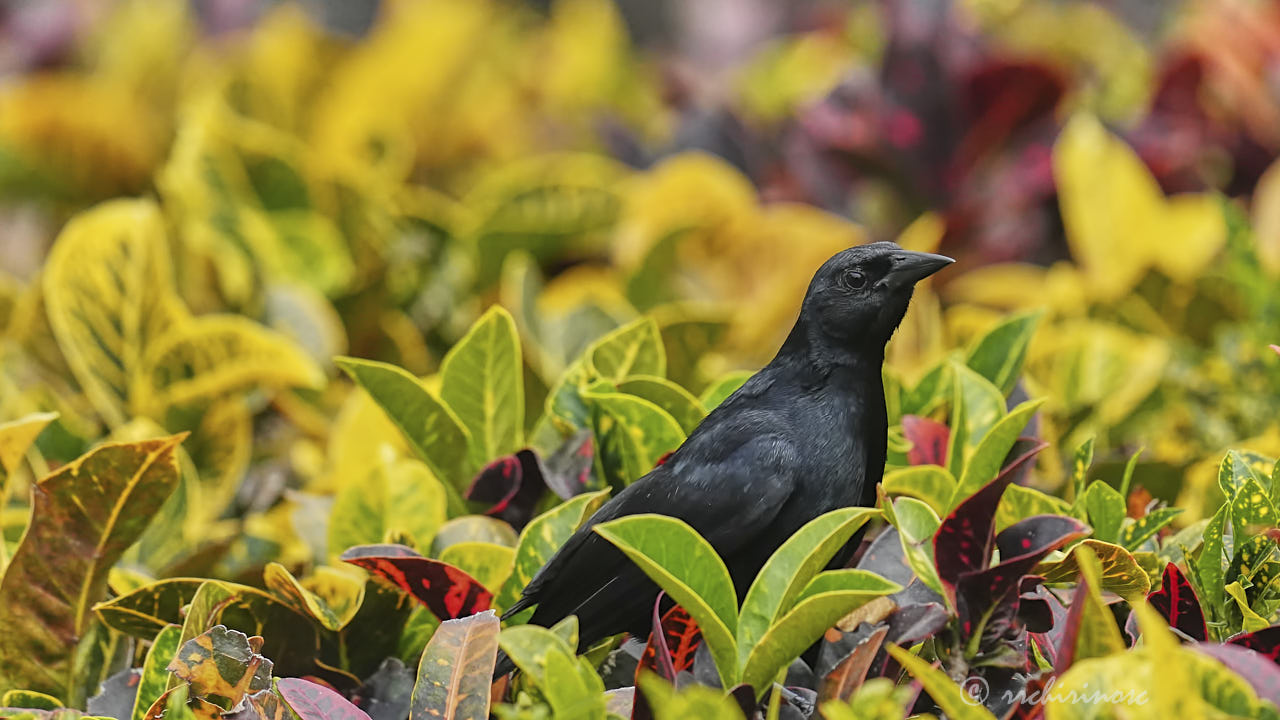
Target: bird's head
x=858, y=297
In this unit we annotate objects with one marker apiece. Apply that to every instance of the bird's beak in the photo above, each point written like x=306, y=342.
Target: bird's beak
x=910, y=268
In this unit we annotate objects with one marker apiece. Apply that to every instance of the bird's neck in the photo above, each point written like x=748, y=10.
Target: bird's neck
x=822, y=361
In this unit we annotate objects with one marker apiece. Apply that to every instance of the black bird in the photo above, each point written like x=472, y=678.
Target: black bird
x=804, y=436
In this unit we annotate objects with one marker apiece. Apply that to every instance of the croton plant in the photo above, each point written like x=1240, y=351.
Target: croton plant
x=976, y=596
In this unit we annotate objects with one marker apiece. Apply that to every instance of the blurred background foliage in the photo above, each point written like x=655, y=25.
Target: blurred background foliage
x=365, y=178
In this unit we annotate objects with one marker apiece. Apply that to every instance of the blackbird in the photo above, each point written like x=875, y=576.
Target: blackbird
x=803, y=436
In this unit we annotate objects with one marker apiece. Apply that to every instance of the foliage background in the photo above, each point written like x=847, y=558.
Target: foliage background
x=241, y=191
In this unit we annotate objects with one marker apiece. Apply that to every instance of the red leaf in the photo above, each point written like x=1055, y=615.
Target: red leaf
x=929, y=439
x=673, y=641
x=447, y=591
x=1176, y=600
x=963, y=541
x=314, y=702
x=1265, y=641
x=511, y=487
x=567, y=471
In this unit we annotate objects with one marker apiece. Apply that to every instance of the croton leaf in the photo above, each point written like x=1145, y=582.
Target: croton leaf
x=312, y=701
x=1120, y=572
x=456, y=669
x=1177, y=602
x=929, y=439
x=511, y=487
x=672, y=643
x=1254, y=667
x=1265, y=641
x=963, y=542
x=930, y=483
x=998, y=355
x=155, y=670
x=987, y=600
x=446, y=590
x=1091, y=630
x=85, y=515
x=483, y=384
x=16, y=437
x=222, y=662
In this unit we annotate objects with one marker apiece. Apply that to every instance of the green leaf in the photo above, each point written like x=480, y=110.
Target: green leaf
x=931, y=390
x=456, y=669
x=789, y=570
x=976, y=407
x=917, y=523
x=543, y=536
x=633, y=349
x=954, y=700
x=718, y=391
x=1252, y=622
x=1127, y=479
x=1106, y=509
x=1251, y=509
x=155, y=670
x=685, y=565
x=829, y=596
x=29, y=700
x=1212, y=562
x=1144, y=528
x=930, y=483
x=84, y=517
x=488, y=563
x=573, y=688
x=483, y=383
x=202, y=615
x=998, y=355
x=993, y=446
x=1119, y=572
x=400, y=497
x=1080, y=463
x=694, y=701
x=528, y=647
x=675, y=400
x=1019, y=503
x=631, y=433
x=1240, y=466
x=429, y=426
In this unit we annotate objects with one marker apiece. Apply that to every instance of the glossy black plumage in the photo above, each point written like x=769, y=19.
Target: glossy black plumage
x=803, y=436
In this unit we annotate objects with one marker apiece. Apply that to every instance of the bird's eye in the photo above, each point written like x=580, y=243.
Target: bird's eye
x=855, y=280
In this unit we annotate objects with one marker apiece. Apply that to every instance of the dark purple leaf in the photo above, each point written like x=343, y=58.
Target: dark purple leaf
x=1265, y=641
x=850, y=671
x=510, y=486
x=1249, y=664
x=316, y=702
x=1177, y=602
x=116, y=695
x=963, y=541
x=386, y=695
x=1050, y=640
x=447, y=591
x=1034, y=612
x=928, y=439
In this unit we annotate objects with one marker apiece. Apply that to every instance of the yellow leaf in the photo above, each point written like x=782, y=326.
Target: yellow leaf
x=1118, y=222
x=108, y=290
x=213, y=355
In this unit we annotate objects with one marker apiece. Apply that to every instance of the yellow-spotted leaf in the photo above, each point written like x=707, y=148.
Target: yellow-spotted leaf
x=155, y=670
x=718, y=391
x=84, y=517
x=108, y=290
x=213, y=355
x=222, y=662
x=632, y=435
x=1120, y=572
x=456, y=669
x=633, y=349
x=679, y=403
x=483, y=384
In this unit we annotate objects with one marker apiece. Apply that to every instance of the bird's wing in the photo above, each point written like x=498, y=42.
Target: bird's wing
x=727, y=500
